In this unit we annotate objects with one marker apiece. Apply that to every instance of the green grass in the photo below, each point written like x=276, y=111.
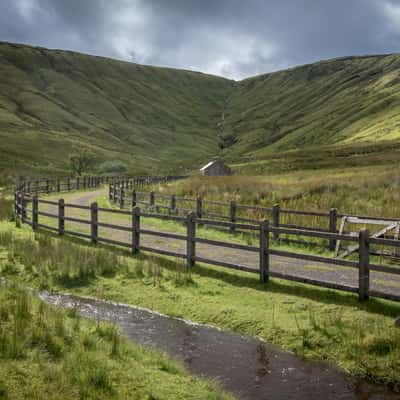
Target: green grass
x=161, y=120
x=314, y=323
x=53, y=101
x=47, y=352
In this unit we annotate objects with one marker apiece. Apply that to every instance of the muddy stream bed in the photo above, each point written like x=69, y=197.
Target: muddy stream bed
x=246, y=367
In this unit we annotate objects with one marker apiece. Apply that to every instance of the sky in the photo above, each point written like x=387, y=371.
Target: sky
x=232, y=38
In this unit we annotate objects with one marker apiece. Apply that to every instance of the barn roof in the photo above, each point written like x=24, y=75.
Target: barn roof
x=209, y=164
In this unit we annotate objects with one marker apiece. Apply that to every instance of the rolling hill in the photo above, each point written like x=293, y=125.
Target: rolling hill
x=161, y=120
x=155, y=119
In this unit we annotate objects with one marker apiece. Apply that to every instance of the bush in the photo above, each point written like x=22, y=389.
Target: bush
x=113, y=167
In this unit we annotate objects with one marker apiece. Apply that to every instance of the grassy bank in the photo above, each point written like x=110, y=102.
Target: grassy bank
x=312, y=322
x=50, y=353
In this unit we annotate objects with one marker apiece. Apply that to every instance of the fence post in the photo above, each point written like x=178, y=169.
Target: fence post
x=264, y=251
x=58, y=184
x=61, y=215
x=69, y=184
x=23, y=207
x=173, y=203
x=190, y=240
x=93, y=222
x=78, y=183
x=135, y=230
x=275, y=215
x=47, y=186
x=29, y=186
x=121, y=198
x=332, y=227
x=17, y=201
x=35, y=212
x=151, y=203
x=199, y=207
x=110, y=192
x=363, y=265
x=114, y=193
x=133, y=198
x=232, y=214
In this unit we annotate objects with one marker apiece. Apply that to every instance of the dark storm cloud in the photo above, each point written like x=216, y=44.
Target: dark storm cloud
x=229, y=37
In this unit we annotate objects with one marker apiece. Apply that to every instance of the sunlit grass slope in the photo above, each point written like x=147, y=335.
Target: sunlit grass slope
x=337, y=102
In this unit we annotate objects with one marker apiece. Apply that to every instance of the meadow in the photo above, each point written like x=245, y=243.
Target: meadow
x=314, y=323
x=46, y=351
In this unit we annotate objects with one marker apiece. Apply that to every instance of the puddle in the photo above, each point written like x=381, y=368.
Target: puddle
x=246, y=367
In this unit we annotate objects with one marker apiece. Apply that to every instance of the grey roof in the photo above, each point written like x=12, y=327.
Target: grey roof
x=208, y=165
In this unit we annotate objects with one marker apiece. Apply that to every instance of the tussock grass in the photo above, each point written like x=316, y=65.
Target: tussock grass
x=365, y=191
x=315, y=323
x=47, y=351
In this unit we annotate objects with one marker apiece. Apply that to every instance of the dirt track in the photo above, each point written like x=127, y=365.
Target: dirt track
x=307, y=269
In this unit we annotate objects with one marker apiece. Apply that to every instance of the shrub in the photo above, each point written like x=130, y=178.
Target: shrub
x=113, y=167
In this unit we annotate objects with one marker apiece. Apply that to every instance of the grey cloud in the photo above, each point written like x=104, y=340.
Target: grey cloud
x=228, y=37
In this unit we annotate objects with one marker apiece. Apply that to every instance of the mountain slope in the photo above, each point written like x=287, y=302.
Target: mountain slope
x=161, y=120
x=52, y=101
x=337, y=102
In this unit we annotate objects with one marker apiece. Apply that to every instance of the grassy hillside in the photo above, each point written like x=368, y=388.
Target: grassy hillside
x=160, y=120
x=51, y=101
x=339, y=102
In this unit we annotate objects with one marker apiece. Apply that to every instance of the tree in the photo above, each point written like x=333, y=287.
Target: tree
x=113, y=167
x=80, y=161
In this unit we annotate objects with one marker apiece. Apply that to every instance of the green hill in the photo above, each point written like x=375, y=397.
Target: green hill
x=171, y=121
x=155, y=119
x=335, y=110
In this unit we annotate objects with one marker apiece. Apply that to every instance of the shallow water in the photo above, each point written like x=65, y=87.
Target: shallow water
x=246, y=367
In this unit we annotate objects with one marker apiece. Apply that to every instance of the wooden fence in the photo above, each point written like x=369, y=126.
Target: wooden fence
x=231, y=211
x=262, y=229
x=46, y=186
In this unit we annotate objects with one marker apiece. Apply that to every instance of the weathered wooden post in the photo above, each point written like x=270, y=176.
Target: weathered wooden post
x=61, y=217
x=276, y=216
x=114, y=193
x=151, y=199
x=35, y=212
x=134, y=198
x=264, y=251
x=110, y=193
x=190, y=240
x=232, y=214
x=332, y=227
x=78, y=183
x=94, y=229
x=29, y=186
x=47, y=186
x=23, y=207
x=172, y=205
x=135, y=230
x=199, y=207
x=16, y=203
x=363, y=265
x=84, y=182
x=121, y=198
x=58, y=185
x=69, y=184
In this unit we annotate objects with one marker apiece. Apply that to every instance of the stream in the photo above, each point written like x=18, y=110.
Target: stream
x=246, y=367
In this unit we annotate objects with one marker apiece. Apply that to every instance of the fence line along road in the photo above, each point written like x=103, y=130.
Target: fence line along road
x=231, y=211
x=263, y=230
x=84, y=182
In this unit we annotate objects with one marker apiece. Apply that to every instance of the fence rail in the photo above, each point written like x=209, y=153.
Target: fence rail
x=231, y=211
x=263, y=229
